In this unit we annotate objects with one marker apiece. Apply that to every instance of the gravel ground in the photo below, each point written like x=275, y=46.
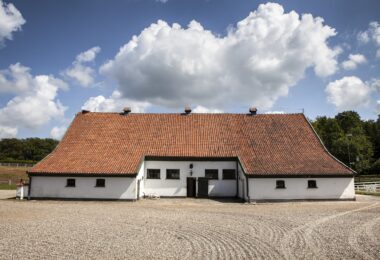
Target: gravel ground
x=189, y=229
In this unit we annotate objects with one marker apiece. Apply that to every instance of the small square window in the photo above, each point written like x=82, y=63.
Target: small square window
x=312, y=184
x=172, y=174
x=211, y=174
x=280, y=184
x=229, y=174
x=70, y=183
x=153, y=174
x=100, y=183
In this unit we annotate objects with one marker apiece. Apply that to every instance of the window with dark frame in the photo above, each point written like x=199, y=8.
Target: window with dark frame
x=100, y=183
x=153, y=174
x=172, y=174
x=229, y=174
x=312, y=184
x=280, y=184
x=70, y=183
x=211, y=174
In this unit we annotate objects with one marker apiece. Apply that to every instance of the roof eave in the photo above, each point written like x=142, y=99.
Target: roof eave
x=68, y=174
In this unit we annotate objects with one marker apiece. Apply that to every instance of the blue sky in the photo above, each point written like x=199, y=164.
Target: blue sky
x=57, y=57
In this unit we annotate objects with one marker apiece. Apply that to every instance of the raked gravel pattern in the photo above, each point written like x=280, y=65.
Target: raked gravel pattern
x=189, y=229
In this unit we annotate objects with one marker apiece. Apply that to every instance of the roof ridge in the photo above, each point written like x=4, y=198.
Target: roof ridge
x=192, y=113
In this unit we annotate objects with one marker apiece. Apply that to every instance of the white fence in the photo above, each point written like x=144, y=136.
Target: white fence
x=9, y=182
x=16, y=164
x=368, y=186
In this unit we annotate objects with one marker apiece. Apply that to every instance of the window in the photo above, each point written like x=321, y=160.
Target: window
x=280, y=184
x=100, y=183
x=172, y=174
x=229, y=174
x=70, y=183
x=211, y=174
x=153, y=174
x=312, y=184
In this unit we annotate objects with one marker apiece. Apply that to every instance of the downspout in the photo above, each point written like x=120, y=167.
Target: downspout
x=237, y=180
x=30, y=186
x=246, y=178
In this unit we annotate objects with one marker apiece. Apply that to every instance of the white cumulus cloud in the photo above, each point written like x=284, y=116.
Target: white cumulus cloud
x=354, y=60
x=202, y=109
x=348, y=93
x=114, y=103
x=274, y=112
x=16, y=79
x=377, y=109
x=372, y=34
x=81, y=71
x=255, y=63
x=35, y=105
x=57, y=132
x=375, y=84
x=8, y=132
x=11, y=20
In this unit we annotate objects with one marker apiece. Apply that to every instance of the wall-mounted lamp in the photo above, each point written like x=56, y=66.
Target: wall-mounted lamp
x=191, y=166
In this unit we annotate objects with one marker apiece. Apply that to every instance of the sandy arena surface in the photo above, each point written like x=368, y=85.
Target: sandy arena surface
x=189, y=229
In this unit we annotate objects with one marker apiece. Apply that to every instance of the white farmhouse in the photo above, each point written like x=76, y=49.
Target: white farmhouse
x=126, y=156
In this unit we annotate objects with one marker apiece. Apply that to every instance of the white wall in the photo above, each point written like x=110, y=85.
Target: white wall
x=164, y=187
x=296, y=188
x=55, y=187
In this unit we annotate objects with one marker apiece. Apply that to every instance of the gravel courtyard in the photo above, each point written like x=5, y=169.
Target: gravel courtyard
x=189, y=229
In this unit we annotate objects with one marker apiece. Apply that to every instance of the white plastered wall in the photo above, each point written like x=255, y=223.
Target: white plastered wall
x=55, y=187
x=297, y=188
x=178, y=188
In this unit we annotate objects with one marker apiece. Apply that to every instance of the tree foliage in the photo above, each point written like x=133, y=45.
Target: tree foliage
x=30, y=149
x=350, y=139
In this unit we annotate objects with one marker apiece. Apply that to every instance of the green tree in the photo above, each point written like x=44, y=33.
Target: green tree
x=346, y=137
x=359, y=150
x=329, y=131
x=30, y=149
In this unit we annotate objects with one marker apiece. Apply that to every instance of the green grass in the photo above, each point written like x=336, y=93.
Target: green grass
x=377, y=193
x=14, y=174
x=368, y=193
x=5, y=186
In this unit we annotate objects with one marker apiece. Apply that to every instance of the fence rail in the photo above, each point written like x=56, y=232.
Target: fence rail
x=9, y=182
x=368, y=186
x=17, y=164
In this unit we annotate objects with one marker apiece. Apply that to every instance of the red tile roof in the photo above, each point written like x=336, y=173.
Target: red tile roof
x=111, y=143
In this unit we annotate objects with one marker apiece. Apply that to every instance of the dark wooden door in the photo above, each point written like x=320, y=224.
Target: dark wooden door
x=191, y=187
x=202, y=187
